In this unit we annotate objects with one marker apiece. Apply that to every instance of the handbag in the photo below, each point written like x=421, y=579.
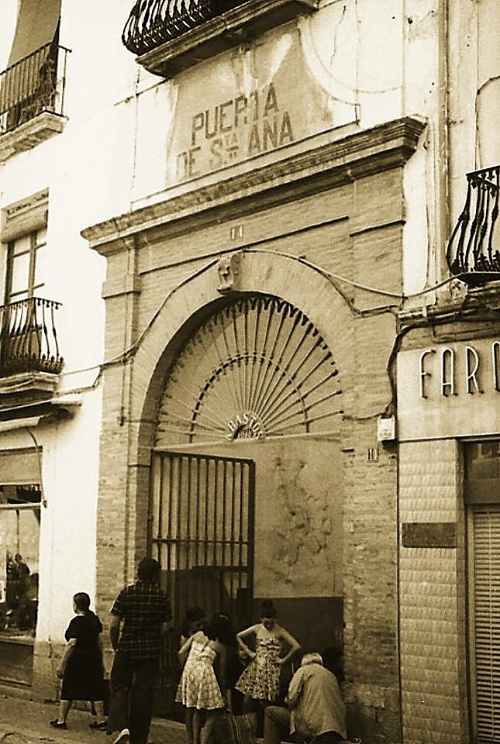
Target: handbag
x=231, y=729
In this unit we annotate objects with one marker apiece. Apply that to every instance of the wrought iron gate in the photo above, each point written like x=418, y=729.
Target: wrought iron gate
x=202, y=525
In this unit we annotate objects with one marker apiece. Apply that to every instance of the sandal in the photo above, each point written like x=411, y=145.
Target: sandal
x=56, y=724
x=102, y=726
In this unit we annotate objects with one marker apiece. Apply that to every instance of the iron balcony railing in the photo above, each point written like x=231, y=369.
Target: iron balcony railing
x=474, y=248
x=33, y=85
x=154, y=22
x=28, y=340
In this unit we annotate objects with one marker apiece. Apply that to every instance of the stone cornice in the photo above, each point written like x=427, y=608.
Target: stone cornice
x=322, y=167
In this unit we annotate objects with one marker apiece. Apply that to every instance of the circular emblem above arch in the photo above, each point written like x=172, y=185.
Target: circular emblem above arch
x=256, y=368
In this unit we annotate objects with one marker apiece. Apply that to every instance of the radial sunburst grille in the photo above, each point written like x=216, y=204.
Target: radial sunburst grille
x=257, y=368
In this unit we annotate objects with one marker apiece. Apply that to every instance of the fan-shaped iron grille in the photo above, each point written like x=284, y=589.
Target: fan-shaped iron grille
x=256, y=368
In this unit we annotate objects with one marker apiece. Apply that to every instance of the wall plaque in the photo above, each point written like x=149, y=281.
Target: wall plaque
x=429, y=535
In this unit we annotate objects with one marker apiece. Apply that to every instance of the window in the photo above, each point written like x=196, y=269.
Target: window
x=28, y=336
x=482, y=472
x=24, y=235
x=23, y=260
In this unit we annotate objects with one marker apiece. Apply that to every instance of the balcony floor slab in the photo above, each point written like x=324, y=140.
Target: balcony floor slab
x=30, y=134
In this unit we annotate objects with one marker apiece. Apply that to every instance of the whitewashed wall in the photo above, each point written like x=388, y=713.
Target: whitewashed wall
x=77, y=167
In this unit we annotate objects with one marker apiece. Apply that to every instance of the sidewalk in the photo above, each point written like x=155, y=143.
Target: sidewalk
x=27, y=722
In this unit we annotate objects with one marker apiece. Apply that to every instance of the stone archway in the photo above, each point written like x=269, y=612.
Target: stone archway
x=251, y=406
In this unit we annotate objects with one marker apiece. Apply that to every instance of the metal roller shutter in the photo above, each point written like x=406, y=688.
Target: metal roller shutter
x=486, y=618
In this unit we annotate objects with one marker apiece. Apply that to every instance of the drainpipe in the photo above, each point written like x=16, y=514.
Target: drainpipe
x=442, y=163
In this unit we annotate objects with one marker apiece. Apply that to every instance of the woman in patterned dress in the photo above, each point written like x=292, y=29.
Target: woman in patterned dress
x=260, y=680
x=200, y=690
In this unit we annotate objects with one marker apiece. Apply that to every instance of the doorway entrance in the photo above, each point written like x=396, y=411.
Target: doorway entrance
x=253, y=385
x=202, y=533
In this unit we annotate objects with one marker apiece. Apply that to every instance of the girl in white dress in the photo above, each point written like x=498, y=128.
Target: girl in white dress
x=200, y=690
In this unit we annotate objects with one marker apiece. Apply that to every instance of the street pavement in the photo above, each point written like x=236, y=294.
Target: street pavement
x=27, y=722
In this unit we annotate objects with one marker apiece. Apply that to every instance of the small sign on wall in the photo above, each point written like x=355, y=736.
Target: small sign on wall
x=386, y=428
x=429, y=535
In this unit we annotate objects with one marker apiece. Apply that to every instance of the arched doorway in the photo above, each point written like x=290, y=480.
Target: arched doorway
x=250, y=407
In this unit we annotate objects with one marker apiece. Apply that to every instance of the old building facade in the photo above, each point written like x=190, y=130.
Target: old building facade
x=288, y=388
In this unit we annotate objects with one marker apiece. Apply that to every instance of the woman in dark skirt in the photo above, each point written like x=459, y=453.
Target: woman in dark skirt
x=81, y=668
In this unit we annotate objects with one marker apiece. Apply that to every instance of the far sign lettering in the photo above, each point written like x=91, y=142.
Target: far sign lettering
x=448, y=372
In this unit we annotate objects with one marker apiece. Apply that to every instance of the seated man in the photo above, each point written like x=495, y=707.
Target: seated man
x=315, y=707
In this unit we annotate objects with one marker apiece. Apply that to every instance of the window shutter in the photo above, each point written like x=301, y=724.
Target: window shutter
x=487, y=623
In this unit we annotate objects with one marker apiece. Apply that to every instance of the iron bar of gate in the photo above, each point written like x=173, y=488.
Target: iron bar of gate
x=241, y=535
x=178, y=522
x=473, y=250
x=198, y=506
x=32, y=85
x=187, y=521
x=169, y=508
x=207, y=500
x=224, y=517
x=214, y=533
x=232, y=540
x=247, y=609
x=28, y=337
x=154, y=22
x=202, y=523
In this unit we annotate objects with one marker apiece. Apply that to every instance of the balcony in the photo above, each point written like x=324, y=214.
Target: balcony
x=31, y=99
x=473, y=252
x=28, y=338
x=172, y=36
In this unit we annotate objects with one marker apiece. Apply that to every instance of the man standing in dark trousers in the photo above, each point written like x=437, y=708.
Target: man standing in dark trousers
x=143, y=613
